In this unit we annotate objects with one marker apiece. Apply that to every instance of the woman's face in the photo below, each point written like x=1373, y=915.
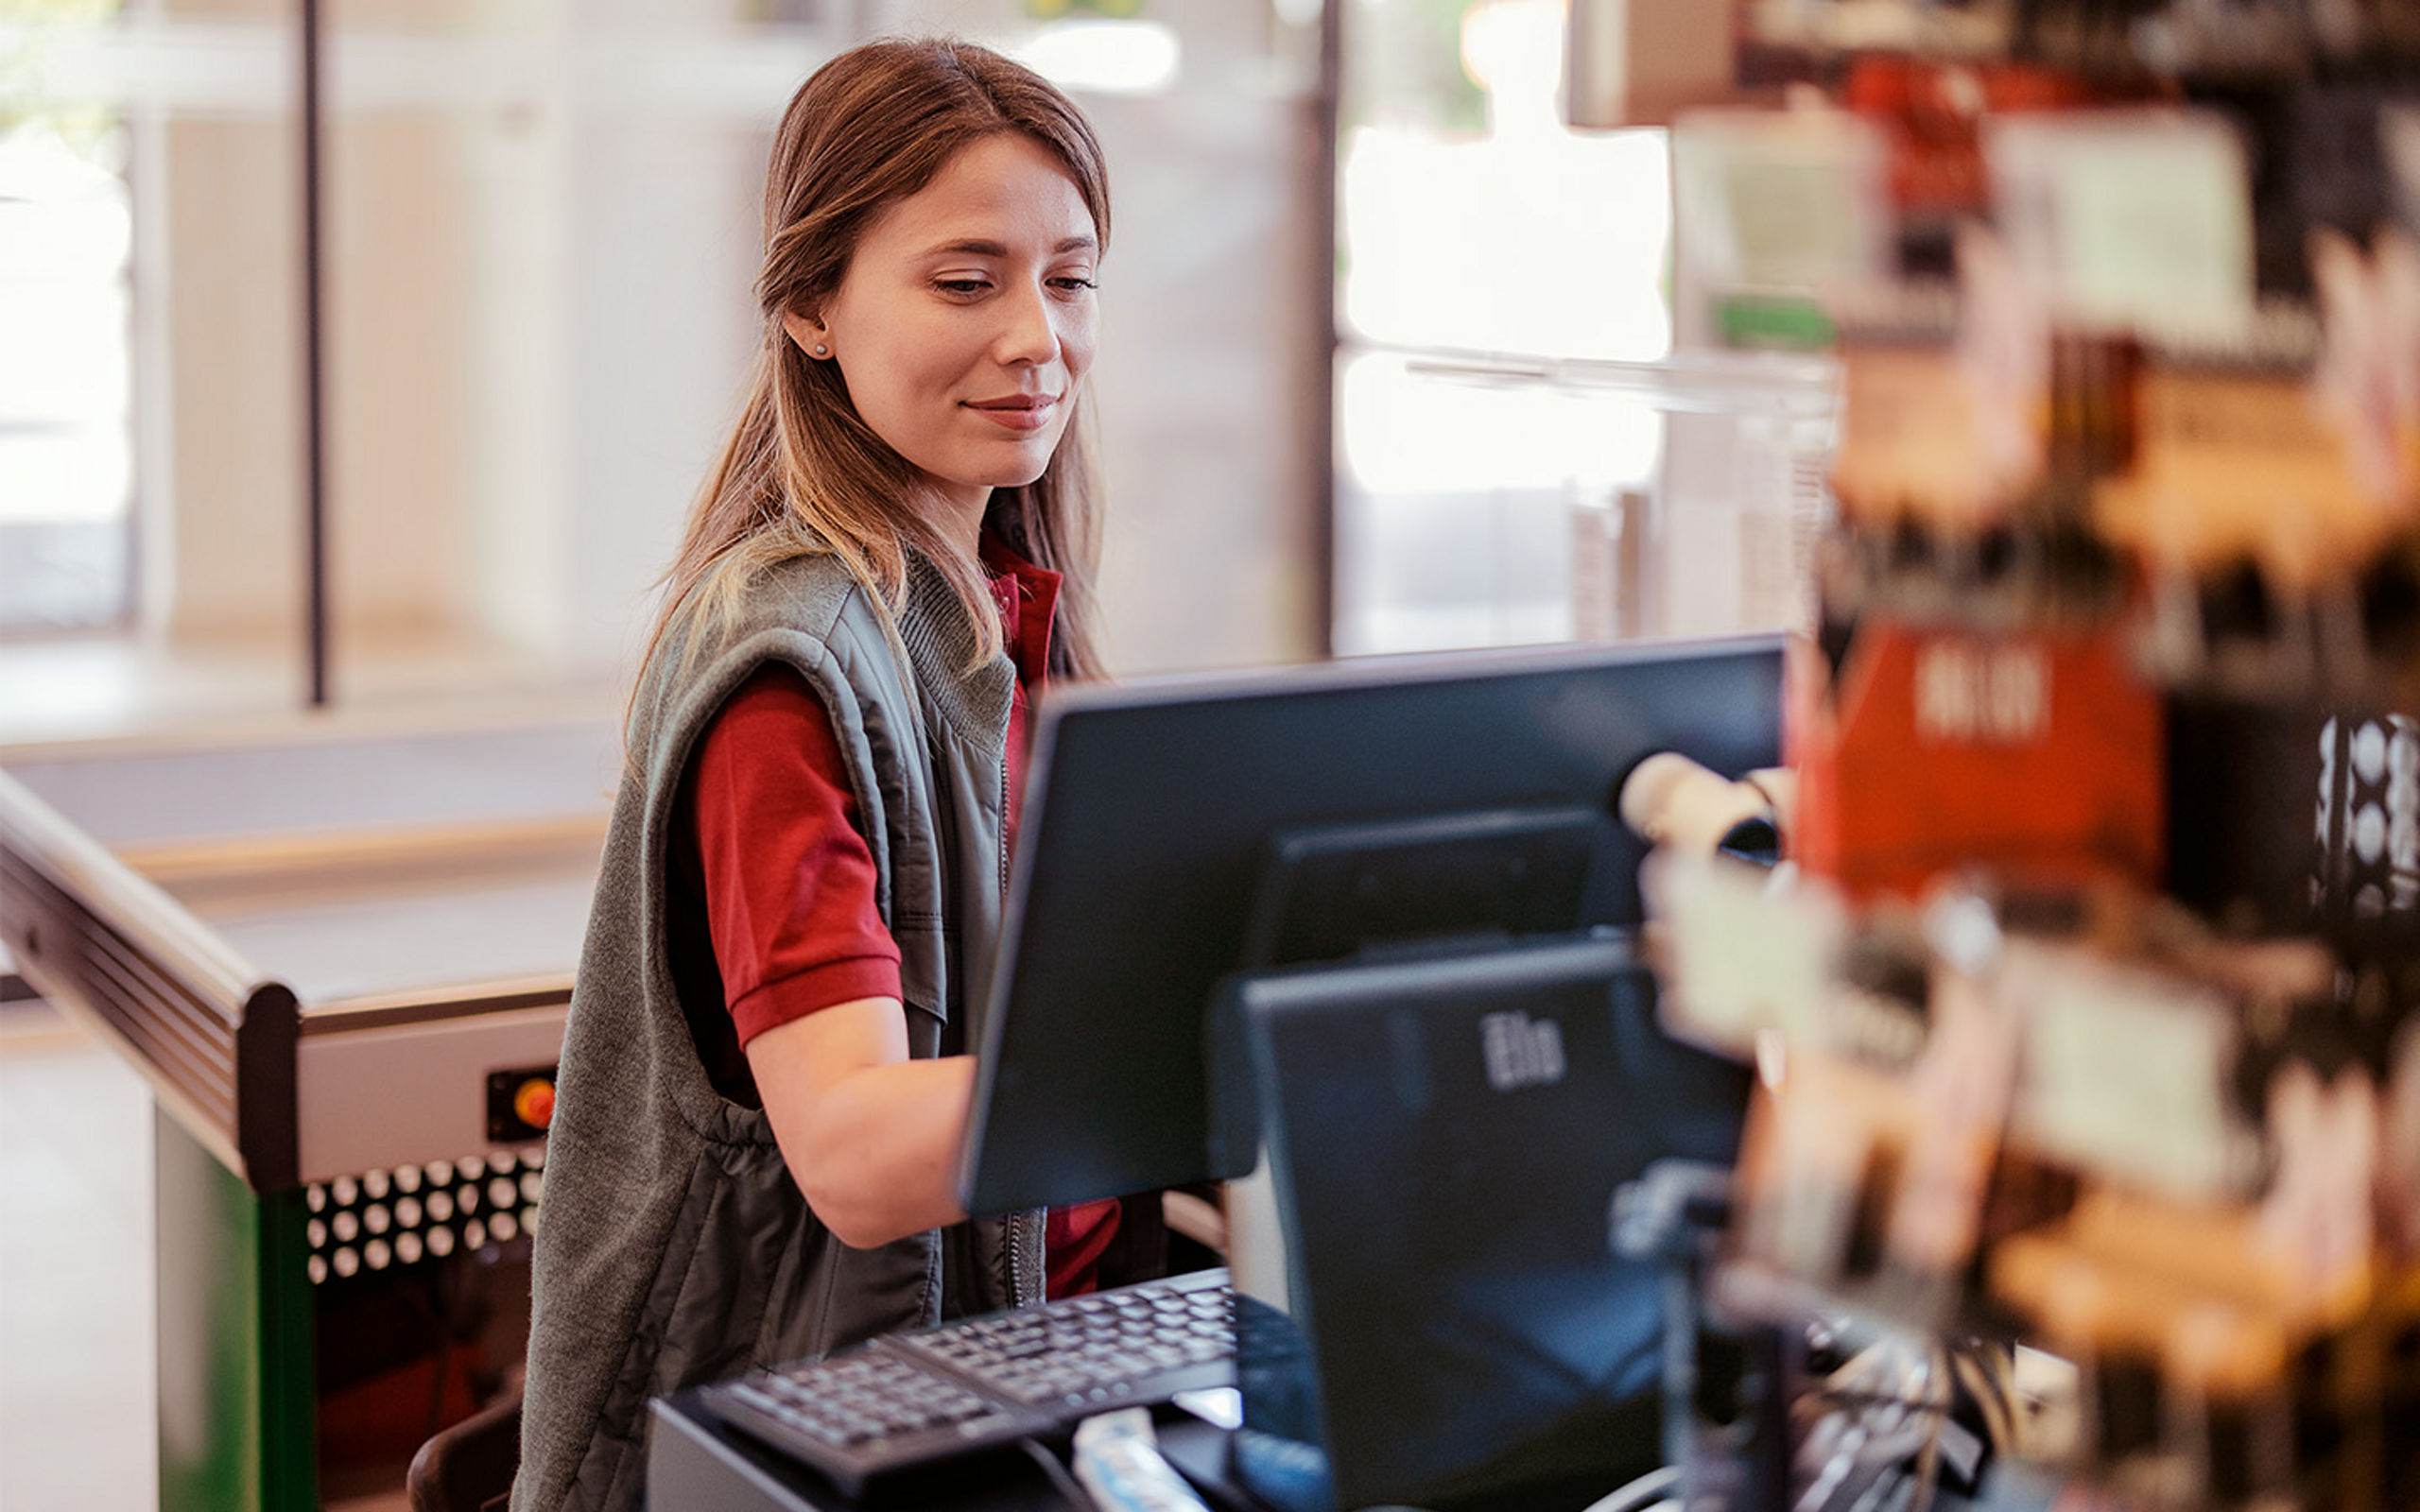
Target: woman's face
x=965, y=323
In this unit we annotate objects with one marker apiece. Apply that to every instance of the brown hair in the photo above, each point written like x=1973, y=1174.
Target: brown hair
x=802, y=473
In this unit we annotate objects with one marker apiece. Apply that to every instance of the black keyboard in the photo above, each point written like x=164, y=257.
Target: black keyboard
x=908, y=1400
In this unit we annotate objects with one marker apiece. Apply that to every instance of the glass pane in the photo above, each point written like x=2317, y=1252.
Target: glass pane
x=541, y=238
x=1487, y=502
x=1455, y=503
x=1521, y=457
x=1468, y=215
x=66, y=437
x=150, y=475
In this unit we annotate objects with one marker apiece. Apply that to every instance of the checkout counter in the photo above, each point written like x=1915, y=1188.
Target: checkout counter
x=341, y=961
x=343, y=964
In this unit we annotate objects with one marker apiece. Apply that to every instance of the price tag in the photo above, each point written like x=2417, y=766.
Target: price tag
x=1742, y=958
x=2130, y=219
x=2126, y=1073
x=1775, y=202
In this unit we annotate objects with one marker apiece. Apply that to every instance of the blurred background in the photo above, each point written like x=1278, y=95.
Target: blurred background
x=539, y=223
x=267, y=496
x=359, y=360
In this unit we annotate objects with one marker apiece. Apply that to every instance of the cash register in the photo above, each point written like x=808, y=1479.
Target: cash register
x=1359, y=938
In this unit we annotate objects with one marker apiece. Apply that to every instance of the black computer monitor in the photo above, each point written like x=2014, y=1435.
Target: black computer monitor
x=1446, y=1138
x=1163, y=819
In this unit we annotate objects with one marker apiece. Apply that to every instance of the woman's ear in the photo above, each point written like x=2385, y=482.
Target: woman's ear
x=808, y=333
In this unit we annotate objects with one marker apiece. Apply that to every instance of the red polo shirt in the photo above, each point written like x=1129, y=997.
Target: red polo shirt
x=788, y=881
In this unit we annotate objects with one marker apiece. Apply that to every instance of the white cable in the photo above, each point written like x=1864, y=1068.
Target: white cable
x=1646, y=1494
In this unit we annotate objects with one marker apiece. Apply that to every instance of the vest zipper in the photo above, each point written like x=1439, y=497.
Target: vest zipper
x=1024, y=1258
x=1025, y=1229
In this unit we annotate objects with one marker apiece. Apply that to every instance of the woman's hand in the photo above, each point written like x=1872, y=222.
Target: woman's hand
x=872, y=1137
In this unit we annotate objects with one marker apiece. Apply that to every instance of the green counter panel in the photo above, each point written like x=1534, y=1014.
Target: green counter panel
x=234, y=1330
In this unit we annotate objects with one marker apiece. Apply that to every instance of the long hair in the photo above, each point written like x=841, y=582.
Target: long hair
x=802, y=473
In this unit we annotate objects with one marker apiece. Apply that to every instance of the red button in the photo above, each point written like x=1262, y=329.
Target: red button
x=533, y=1101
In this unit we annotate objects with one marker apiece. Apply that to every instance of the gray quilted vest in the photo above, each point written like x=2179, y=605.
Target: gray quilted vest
x=675, y=1248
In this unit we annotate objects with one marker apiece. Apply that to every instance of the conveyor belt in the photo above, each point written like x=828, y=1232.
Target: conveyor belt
x=214, y=1039
x=315, y=950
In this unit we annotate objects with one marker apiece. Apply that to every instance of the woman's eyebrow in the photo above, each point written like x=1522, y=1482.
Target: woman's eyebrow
x=977, y=246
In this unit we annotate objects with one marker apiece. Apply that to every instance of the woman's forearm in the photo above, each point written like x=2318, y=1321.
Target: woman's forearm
x=881, y=1154
x=870, y=1137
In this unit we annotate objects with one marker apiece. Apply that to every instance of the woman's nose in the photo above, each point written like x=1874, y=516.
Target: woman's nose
x=1031, y=333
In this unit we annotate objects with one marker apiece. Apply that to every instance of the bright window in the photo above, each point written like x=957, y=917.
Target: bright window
x=65, y=437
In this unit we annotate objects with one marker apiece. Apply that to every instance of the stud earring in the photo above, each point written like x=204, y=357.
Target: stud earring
x=823, y=350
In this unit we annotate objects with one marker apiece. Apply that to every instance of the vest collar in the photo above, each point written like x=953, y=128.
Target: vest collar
x=942, y=644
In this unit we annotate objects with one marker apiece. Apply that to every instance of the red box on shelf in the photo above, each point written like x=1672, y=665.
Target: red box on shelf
x=2036, y=754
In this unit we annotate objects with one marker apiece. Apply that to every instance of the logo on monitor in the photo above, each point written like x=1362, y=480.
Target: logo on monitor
x=1521, y=1051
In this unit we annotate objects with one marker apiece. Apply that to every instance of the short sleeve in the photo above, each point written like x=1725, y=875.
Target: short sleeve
x=789, y=880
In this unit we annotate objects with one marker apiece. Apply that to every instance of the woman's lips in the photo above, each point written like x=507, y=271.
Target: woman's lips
x=1016, y=412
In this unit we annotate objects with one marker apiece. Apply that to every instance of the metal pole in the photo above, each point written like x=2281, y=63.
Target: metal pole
x=315, y=399
x=1328, y=107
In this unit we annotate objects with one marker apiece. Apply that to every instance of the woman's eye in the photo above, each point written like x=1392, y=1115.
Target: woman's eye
x=1073, y=283
x=960, y=285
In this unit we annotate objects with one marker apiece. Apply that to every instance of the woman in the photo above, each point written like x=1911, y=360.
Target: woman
x=763, y=1085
